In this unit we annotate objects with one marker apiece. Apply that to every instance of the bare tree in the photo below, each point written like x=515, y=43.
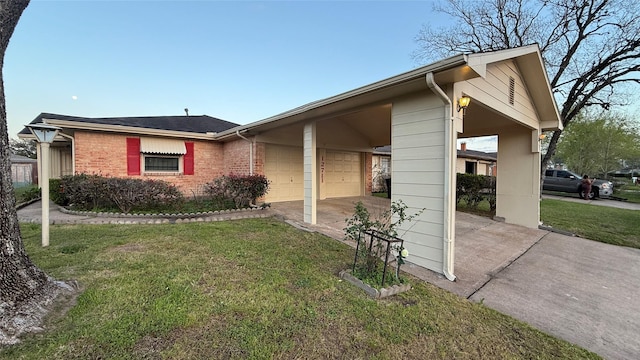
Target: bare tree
x=24, y=288
x=23, y=147
x=591, y=48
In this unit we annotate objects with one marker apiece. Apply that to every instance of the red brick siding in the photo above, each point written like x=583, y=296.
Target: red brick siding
x=236, y=157
x=368, y=171
x=106, y=154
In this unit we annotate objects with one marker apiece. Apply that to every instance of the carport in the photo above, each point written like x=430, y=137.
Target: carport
x=329, y=142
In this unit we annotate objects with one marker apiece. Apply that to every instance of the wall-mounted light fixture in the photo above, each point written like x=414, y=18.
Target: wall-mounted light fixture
x=542, y=137
x=463, y=103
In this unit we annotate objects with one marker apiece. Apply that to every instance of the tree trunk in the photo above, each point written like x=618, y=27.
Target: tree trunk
x=25, y=290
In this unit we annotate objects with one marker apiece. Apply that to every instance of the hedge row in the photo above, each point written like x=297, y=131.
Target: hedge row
x=95, y=192
x=472, y=189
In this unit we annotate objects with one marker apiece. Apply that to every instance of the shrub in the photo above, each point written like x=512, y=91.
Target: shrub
x=56, y=192
x=85, y=191
x=475, y=188
x=28, y=194
x=92, y=192
x=385, y=225
x=241, y=189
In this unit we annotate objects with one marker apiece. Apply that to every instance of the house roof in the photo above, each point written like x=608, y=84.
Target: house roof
x=21, y=159
x=382, y=150
x=198, y=124
x=450, y=70
x=479, y=155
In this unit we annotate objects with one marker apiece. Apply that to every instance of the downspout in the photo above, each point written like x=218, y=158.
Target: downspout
x=449, y=210
x=73, y=151
x=250, y=151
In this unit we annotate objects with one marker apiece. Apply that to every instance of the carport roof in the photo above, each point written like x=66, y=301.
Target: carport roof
x=456, y=68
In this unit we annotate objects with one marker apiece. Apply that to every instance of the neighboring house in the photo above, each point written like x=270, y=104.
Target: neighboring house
x=476, y=162
x=24, y=170
x=380, y=168
x=324, y=149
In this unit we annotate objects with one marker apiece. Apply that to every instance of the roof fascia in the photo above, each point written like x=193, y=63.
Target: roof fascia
x=441, y=65
x=125, y=129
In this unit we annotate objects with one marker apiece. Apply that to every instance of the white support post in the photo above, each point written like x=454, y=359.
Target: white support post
x=310, y=180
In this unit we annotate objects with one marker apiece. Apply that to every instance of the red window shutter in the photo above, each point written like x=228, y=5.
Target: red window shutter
x=133, y=156
x=189, y=159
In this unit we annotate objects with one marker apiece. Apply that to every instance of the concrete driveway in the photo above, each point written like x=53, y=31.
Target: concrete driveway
x=579, y=290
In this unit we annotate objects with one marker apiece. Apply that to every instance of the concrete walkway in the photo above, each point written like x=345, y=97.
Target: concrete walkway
x=579, y=290
x=597, y=202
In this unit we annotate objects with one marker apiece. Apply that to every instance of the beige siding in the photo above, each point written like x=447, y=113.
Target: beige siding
x=518, y=185
x=284, y=168
x=417, y=178
x=494, y=90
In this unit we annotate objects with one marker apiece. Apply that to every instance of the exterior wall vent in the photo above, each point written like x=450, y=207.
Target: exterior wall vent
x=512, y=90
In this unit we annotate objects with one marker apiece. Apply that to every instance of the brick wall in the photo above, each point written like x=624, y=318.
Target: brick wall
x=106, y=154
x=368, y=172
x=236, y=157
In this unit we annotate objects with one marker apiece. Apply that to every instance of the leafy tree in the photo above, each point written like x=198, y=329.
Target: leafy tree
x=591, y=48
x=599, y=144
x=24, y=288
x=23, y=147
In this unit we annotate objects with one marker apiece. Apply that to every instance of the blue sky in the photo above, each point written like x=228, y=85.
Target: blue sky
x=239, y=61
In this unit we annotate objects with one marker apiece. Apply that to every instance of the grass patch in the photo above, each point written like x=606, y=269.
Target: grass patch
x=599, y=223
x=631, y=195
x=380, y=194
x=482, y=208
x=256, y=289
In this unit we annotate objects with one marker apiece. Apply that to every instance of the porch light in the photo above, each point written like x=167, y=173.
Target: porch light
x=44, y=136
x=542, y=136
x=463, y=103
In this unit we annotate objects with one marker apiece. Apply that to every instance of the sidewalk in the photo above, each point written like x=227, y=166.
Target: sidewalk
x=598, y=202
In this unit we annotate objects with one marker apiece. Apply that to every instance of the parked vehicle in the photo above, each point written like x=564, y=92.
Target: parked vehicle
x=567, y=181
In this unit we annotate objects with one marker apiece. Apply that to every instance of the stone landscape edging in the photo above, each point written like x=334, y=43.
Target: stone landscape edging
x=371, y=291
x=158, y=216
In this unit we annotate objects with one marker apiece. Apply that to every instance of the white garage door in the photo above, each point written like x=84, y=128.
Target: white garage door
x=283, y=167
x=343, y=174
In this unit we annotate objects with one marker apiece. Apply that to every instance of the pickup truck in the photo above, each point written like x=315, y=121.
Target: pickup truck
x=567, y=181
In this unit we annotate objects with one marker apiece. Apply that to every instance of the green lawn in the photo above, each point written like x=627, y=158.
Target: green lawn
x=257, y=289
x=600, y=223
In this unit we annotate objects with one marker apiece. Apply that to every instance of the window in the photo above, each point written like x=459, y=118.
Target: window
x=548, y=173
x=157, y=155
x=153, y=162
x=384, y=165
x=470, y=167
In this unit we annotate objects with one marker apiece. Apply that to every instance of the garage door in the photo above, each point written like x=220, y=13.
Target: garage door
x=284, y=168
x=343, y=174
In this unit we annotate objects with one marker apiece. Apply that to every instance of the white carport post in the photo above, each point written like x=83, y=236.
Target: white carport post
x=310, y=181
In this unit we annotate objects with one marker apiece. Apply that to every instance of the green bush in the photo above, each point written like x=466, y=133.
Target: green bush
x=472, y=189
x=27, y=194
x=93, y=192
x=56, y=193
x=241, y=189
